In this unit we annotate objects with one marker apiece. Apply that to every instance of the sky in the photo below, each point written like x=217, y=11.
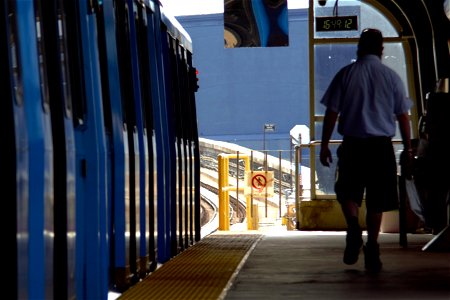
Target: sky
x=200, y=7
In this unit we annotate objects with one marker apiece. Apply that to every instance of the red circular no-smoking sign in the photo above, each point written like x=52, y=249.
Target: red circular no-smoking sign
x=259, y=182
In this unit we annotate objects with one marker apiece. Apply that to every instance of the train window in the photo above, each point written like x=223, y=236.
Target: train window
x=53, y=62
x=144, y=68
x=175, y=84
x=63, y=56
x=41, y=56
x=185, y=92
x=102, y=48
x=75, y=62
x=124, y=54
x=15, y=67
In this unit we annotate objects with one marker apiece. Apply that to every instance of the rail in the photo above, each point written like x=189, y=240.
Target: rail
x=293, y=182
x=314, y=170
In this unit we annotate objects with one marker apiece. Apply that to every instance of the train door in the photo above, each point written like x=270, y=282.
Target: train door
x=185, y=116
x=190, y=87
x=157, y=175
x=51, y=23
x=334, y=33
x=139, y=94
x=177, y=119
x=13, y=156
x=118, y=159
x=91, y=168
x=147, y=250
x=194, y=150
x=162, y=138
x=138, y=144
x=40, y=151
x=189, y=121
x=170, y=140
x=127, y=16
x=122, y=214
x=185, y=120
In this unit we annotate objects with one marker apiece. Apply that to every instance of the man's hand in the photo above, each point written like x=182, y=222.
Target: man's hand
x=325, y=156
x=406, y=162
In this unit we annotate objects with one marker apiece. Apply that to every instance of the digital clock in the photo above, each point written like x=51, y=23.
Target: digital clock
x=336, y=23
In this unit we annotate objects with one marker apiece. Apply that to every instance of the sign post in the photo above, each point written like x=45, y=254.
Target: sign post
x=269, y=127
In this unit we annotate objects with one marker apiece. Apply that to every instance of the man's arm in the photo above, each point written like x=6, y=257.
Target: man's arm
x=328, y=126
x=405, y=130
x=406, y=159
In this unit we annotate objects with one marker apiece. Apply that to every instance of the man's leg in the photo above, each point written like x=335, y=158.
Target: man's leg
x=373, y=222
x=354, y=241
x=371, y=249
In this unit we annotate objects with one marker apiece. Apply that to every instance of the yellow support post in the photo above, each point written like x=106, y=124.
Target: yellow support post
x=224, y=201
x=251, y=213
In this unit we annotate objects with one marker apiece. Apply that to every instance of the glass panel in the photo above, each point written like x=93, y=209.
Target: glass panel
x=394, y=57
x=335, y=47
x=63, y=56
x=325, y=176
x=318, y=129
x=42, y=59
x=329, y=59
x=16, y=78
x=372, y=18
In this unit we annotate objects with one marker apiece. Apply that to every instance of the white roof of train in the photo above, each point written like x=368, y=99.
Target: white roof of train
x=174, y=28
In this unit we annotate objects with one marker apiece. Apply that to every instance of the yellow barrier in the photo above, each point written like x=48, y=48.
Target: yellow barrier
x=225, y=188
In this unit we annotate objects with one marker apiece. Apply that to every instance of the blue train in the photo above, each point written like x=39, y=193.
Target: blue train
x=100, y=153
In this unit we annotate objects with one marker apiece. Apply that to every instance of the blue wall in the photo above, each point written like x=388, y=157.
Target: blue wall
x=241, y=89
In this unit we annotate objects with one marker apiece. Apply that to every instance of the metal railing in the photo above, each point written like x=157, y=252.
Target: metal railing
x=288, y=180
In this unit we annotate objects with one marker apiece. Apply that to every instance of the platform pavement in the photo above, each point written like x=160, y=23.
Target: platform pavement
x=308, y=265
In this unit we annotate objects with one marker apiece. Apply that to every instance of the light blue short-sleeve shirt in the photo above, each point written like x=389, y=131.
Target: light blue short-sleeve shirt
x=368, y=96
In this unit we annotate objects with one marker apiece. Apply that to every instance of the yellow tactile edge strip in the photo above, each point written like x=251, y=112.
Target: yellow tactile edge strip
x=206, y=270
x=238, y=269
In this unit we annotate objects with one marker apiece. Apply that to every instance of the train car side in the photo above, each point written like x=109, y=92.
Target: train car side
x=101, y=144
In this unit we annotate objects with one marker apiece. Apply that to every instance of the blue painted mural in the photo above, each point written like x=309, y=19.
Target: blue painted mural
x=256, y=23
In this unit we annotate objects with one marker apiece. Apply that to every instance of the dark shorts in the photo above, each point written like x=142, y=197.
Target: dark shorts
x=367, y=165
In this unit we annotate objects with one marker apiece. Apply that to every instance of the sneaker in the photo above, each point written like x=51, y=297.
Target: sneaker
x=353, y=246
x=372, y=257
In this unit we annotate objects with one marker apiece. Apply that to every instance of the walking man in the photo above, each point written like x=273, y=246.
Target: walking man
x=367, y=97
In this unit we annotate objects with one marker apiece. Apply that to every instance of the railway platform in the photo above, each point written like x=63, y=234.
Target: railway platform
x=273, y=263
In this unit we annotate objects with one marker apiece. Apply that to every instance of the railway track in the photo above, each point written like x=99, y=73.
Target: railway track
x=285, y=178
x=237, y=211
x=209, y=174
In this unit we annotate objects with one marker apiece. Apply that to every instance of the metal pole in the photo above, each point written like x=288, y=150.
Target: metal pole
x=297, y=188
x=280, y=179
x=290, y=163
x=237, y=185
x=264, y=138
x=265, y=197
x=251, y=186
